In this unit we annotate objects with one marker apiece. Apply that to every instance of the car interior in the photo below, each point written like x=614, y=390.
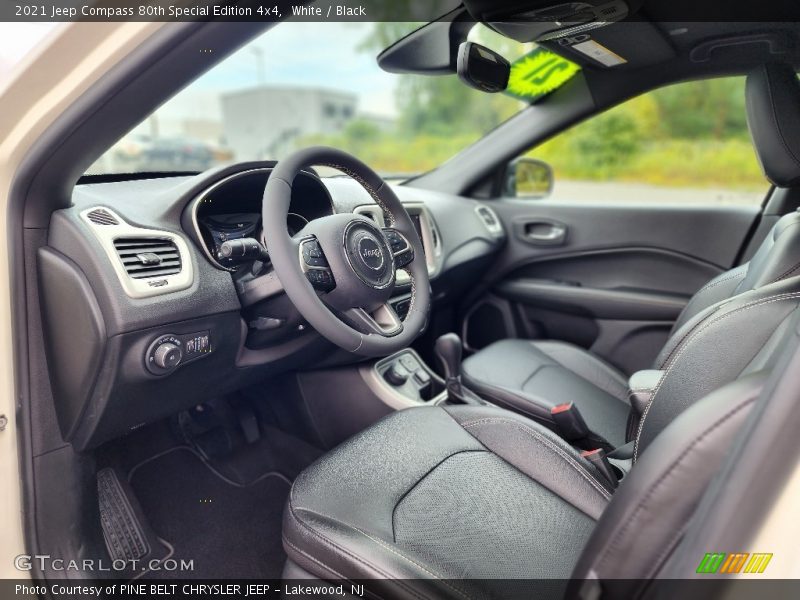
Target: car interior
x=429, y=384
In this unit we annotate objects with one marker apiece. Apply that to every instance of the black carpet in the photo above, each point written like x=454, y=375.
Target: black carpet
x=228, y=529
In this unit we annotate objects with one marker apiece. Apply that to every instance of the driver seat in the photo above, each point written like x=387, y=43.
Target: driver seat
x=469, y=502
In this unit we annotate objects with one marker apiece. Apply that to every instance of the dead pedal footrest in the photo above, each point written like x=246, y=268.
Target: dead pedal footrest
x=125, y=536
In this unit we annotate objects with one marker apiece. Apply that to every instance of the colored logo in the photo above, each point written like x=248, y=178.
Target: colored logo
x=735, y=562
x=538, y=73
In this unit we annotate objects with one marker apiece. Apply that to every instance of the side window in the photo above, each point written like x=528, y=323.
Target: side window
x=684, y=143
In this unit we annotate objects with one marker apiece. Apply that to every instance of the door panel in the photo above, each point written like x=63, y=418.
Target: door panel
x=613, y=278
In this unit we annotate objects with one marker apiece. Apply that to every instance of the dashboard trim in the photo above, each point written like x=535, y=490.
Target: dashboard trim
x=141, y=288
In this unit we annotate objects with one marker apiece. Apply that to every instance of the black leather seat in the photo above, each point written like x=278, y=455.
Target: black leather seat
x=531, y=377
x=473, y=502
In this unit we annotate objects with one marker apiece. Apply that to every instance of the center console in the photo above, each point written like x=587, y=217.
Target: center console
x=403, y=380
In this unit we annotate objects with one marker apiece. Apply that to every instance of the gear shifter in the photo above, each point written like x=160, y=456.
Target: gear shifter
x=448, y=350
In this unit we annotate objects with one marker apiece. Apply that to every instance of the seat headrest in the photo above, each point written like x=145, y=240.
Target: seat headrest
x=773, y=116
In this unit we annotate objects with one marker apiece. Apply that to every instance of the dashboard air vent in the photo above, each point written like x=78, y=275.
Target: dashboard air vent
x=148, y=256
x=100, y=216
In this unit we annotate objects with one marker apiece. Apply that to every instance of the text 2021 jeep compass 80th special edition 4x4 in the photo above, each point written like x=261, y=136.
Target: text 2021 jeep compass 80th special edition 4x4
x=447, y=299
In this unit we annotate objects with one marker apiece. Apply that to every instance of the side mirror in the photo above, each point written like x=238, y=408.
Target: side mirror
x=528, y=178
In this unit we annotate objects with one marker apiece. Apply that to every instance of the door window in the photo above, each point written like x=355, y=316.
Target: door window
x=684, y=143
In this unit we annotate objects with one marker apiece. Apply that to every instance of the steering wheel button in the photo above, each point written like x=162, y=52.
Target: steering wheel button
x=312, y=249
x=313, y=261
x=404, y=258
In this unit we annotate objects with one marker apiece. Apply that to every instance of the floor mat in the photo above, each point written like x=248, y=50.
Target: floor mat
x=229, y=530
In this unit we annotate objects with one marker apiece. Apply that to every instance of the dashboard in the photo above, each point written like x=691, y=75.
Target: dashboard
x=143, y=318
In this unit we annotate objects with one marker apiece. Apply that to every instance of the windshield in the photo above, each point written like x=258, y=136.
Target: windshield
x=307, y=83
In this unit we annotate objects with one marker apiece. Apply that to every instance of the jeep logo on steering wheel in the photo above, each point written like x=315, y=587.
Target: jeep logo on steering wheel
x=371, y=253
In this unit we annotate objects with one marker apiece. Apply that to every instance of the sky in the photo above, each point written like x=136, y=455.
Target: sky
x=303, y=54
x=312, y=54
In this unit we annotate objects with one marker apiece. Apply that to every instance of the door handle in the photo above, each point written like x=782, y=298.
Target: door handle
x=542, y=232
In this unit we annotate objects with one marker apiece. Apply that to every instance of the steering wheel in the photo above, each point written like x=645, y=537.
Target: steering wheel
x=339, y=270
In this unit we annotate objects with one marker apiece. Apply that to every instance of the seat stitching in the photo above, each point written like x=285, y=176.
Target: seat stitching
x=763, y=301
x=413, y=291
x=628, y=522
x=341, y=550
x=692, y=330
x=688, y=304
x=312, y=559
x=327, y=541
x=708, y=320
x=426, y=475
x=569, y=460
x=381, y=543
x=693, y=300
x=717, y=282
x=787, y=273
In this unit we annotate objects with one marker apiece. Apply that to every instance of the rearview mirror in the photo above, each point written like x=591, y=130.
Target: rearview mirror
x=481, y=68
x=528, y=178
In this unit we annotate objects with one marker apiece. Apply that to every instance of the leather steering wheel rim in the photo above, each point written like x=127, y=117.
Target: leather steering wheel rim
x=329, y=313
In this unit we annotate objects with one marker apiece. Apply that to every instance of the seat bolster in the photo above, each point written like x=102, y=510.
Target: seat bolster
x=655, y=501
x=714, y=349
x=333, y=550
x=539, y=453
x=722, y=287
x=338, y=519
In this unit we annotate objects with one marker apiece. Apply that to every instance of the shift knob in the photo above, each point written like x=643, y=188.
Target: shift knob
x=448, y=351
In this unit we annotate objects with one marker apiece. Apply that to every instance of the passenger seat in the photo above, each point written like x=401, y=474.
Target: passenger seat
x=722, y=330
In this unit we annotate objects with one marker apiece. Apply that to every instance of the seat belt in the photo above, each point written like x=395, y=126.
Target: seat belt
x=571, y=427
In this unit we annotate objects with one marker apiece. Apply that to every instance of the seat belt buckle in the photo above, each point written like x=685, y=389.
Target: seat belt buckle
x=600, y=461
x=569, y=421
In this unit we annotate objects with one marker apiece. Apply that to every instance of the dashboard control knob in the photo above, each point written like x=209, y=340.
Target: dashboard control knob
x=167, y=356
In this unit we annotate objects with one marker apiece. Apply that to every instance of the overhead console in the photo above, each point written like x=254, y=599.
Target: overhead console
x=541, y=20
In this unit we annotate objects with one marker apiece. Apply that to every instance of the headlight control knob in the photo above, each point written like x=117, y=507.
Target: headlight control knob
x=164, y=354
x=167, y=356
